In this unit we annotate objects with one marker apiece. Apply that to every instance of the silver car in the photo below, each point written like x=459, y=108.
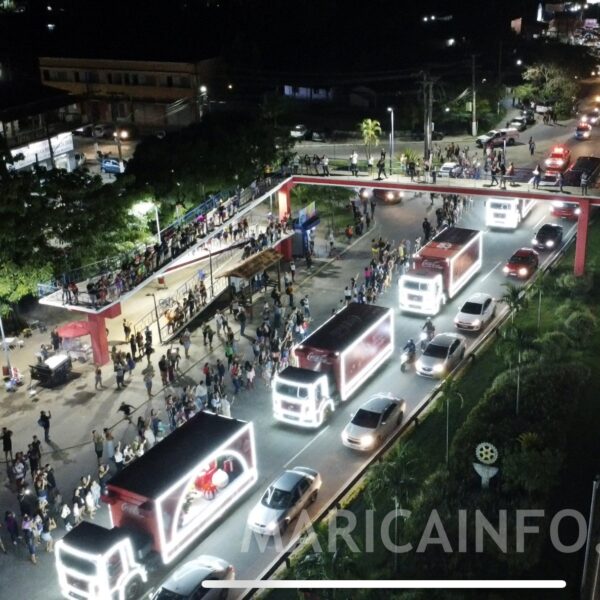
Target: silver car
x=476, y=312
x=283, y=500
x=441, y=355
x=185, y=583
x=374, y=422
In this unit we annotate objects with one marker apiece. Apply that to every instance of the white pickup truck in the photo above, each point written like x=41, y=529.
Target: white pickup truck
x=497, y=137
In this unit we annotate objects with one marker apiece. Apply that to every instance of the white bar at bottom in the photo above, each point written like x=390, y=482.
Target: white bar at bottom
x=457, y=584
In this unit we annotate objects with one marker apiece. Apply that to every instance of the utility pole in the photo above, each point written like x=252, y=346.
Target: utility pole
x=427, y=114
x=473, y=99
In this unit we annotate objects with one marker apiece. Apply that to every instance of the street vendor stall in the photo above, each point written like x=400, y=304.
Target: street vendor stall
x=52, y=371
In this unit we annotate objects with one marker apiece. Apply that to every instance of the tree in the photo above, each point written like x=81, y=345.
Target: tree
x=514, y=298
x=449, y=394
x=532, y=470
x=18, y=281
x=370, y=129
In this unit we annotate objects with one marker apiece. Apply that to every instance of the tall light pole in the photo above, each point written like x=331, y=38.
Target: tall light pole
x=473, y=99
x=391, y=111
x=157, y=223
x=6, y=350
x=590, y=531
x=157, y=316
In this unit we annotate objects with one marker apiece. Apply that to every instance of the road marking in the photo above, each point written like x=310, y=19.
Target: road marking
x=490, y=272
x=535, y=226
x=306, y=446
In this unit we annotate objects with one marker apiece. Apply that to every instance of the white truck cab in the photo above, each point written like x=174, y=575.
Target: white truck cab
x=94, y=563
x=302, y=397
x=421, y=292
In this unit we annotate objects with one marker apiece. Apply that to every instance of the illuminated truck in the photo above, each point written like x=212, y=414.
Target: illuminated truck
x=440, y=269
x=507, y=213
x=332, y=363
x=158, y=506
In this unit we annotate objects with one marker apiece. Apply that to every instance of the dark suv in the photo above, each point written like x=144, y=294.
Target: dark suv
x=584, y=164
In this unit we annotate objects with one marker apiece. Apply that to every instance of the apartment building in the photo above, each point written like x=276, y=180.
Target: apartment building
x=151, y=94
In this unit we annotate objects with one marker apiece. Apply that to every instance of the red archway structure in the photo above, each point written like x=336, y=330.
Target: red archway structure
x=477, y=189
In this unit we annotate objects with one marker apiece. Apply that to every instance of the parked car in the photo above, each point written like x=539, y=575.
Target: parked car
x=112, y=165
x=449, y=169
x=584, y=164
x=299, y=132
x=565, y=210
x=441, y=355
x=522, y=264
x=548, y=237
x=185, y=583
x=476, y=312
x=292, y=491
x=84, y=131
x=583, y=131
x=497, y=137
x=104, y=130
x=518, y=123
x=558, y=159
x=373, y=422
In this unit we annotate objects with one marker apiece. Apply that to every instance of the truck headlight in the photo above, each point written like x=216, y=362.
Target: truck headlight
x=438, y=368
x=550, y=244
x=366, y=441
x=523, y=271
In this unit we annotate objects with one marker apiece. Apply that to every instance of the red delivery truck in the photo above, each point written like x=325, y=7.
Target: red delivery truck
x=332, y=363
x=159, y=505
x=440, y=269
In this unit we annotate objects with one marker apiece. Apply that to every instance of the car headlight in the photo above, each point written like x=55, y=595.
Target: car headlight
x=272, y=526
x=345, y=435
x=534, y=241
x=366, y=441
x=586, y=134
x=477, y=323
x=438, y=368
x=550, y=244
x=390, y=195
x=418, y=364
x=523, y=271
x=505, y=269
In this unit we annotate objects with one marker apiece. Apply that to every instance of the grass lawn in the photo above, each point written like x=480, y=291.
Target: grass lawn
x=428, y=439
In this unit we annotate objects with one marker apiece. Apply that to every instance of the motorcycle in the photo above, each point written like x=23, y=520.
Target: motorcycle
x=426, y=337
x=406, y=358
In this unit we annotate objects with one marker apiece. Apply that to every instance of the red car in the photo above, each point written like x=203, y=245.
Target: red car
x=565, y=210
x=558, y=159
x=522, y=263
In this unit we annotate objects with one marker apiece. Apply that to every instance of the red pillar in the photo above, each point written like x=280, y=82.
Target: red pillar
x=285, y=212
x=582, y=233
x=99, y=339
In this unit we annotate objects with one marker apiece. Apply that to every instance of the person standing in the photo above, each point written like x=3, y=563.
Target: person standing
x=148, y=375
x=531, y=146
x=98, y=441
x=27, y=526
x=537, y=176
x=7, y=444
x=381, y=166
x=325, y=163
x=354, y=163
x=242, y=320
x=126, y=329
x=560, y=180
x=139, y=340
x=12, y=526
x=186, y=341
x=289, y=290
x=98, y=379
x=133, y=345
x=584, y=184
x=293, y=270
x=44, y=423
x=426, y=229
x=120, y=376
x=305, y=306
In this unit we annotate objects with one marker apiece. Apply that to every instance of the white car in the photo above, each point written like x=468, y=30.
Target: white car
x=186, y=582
x=449, y=169
x=103, y=130
x=476, y=312
x=299, y=132
x=374, y=422
x=283, y=500
x=441, y=355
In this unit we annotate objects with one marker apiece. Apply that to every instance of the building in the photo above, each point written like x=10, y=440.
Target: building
x=36, y=123
x=152, y=94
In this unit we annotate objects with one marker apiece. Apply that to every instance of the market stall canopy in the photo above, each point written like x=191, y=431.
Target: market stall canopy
x=75, y=329
x=254, y=265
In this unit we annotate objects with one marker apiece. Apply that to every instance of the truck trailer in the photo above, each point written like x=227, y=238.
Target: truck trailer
x=440, y=269
x=332, y=363
x=158, y=506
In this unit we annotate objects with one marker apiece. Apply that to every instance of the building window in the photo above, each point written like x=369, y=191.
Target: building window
x=76, y=76
x=91, y=77
x=109, y=78
x=134, y=79
x=150, y=80
x=126, y=78
x=46, y=74
x=184, y=82
x=117, y=79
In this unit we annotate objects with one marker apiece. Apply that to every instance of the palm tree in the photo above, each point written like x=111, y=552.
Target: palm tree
x=514, y=298
x=370, y=129
x=449, y=393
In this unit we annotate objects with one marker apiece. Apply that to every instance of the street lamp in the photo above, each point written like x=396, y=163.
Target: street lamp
x=141, y=209
x=6, y=351
x=519, y=62
x=157, y=315
x=391, y=111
